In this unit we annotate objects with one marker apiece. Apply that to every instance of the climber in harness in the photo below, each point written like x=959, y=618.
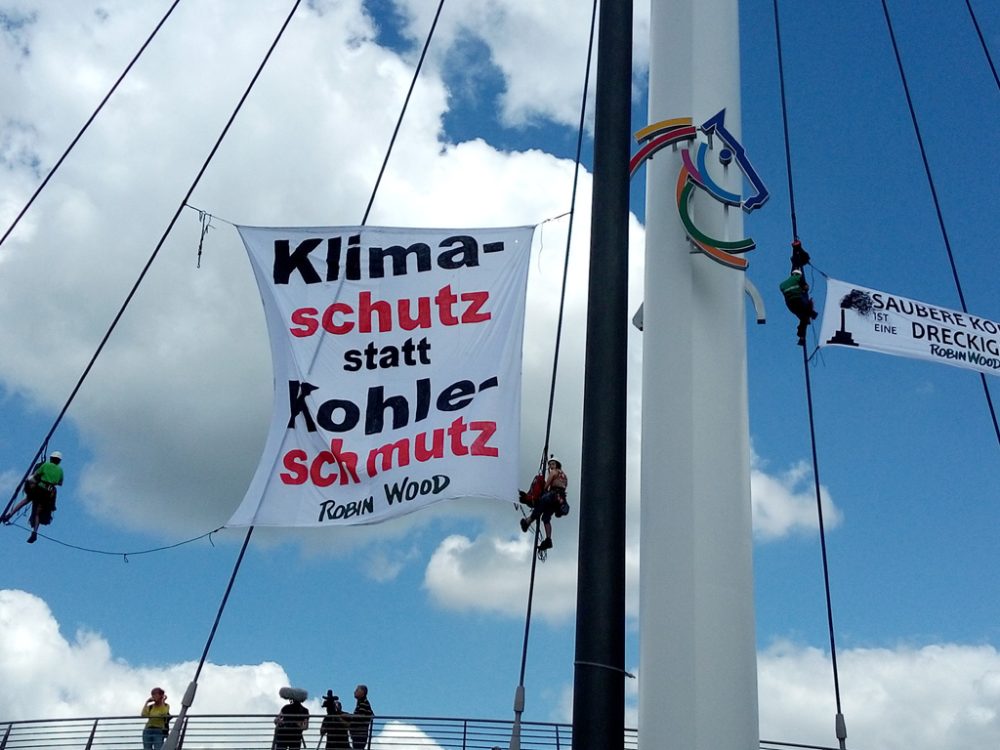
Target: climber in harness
x=40, y=491
x=552, y=502
x=795, y=290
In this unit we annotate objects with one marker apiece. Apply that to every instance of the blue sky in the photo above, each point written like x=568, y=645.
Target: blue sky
x=428, y=610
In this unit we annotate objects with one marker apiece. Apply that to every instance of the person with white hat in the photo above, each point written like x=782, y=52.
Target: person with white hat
x=40, y=491
x=291, y=721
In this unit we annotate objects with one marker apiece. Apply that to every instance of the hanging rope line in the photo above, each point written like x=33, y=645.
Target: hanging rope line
x=982, y=41
x=187, y=701
x=87, y=124
x=840, y=726
x=152, y=257
x=784, y=123
x=569, y=235
x=124, y=555
x=519, y=695
x=527, y=618
x=934, y=198
x=402, y=112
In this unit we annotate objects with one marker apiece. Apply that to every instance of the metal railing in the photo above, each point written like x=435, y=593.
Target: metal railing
x=256, y=732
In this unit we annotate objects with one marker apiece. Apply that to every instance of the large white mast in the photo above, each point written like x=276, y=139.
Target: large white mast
x=697, y=657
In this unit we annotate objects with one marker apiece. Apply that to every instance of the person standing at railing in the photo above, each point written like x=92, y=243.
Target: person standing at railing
x=361, y=719
x=157, y=711
x=335, y=727
x=292, y=720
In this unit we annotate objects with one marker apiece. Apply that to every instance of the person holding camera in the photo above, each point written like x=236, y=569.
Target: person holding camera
x=157, y=712
x=335, y=727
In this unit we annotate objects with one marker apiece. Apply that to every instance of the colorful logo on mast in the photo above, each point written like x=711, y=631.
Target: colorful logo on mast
x=694, y=175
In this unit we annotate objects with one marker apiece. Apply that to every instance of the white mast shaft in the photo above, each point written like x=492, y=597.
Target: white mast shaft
x=697, y=655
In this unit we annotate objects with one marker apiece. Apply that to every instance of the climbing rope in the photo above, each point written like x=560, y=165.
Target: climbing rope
x=569, y=239
x=86, y=125
x=569, y=236
x=840, y=726
x=784, y=124
x=152, y=257
x=519, y=694
x=934, y=198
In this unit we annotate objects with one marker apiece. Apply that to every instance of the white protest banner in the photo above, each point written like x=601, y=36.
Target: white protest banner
x=397, y=370
x=856, y=316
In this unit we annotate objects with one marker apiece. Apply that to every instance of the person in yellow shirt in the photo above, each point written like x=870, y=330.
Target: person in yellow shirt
x=157, y=711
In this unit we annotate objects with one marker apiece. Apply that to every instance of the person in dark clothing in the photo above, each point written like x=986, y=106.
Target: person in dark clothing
x=291, y=721
x=335, y=727
x=361, y=719
x=795, y=289
x=800, y=258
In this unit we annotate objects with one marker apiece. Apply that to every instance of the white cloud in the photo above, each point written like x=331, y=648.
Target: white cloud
x=785, y=503
x=906, y=698
x=912, y=698
x=386, y=563
x=943, y=695
x=521, y=39
x=45, y=675
x=491, y=574
x=398, y=733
